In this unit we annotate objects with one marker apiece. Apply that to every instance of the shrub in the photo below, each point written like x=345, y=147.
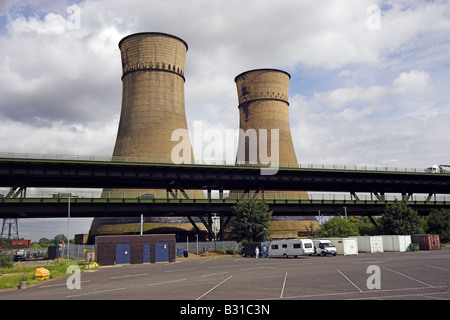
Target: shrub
x=6, y=260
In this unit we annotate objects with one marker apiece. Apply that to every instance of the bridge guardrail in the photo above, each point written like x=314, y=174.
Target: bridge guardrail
x=60, y=157
x=277, y=196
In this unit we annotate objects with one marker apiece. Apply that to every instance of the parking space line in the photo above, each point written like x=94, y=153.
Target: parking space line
x=60, y=285
x=214, y=274
x=208, y=260
x=213, y=288
x=166, y=282
x=261, y=267
x=178, y=270
x=404, y=275
x=284, y=284
x=349, y=280
x=129, y=276
x=95, y=292
x=437, y=267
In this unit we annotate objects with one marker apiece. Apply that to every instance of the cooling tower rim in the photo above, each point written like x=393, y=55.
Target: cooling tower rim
x=262, y=69
x=154, y=34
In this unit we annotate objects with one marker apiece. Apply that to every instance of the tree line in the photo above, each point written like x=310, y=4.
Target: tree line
x=44, y=242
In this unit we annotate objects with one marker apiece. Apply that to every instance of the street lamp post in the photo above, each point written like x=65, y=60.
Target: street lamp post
x=215, y=221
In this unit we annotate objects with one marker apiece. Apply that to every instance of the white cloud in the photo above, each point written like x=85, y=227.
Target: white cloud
x=415, y=82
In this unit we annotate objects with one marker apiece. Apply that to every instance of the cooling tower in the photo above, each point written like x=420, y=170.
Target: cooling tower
x=152, y=109
x=263, y=107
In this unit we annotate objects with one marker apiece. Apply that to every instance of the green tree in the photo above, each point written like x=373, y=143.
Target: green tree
x=399, y=219
x=339, y=228
x=251, y=222
x=365, y=226
x=59, y=239
x=438, y=222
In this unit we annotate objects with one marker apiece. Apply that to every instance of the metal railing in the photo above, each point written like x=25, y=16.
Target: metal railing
x=227, y=196
x=113, y=159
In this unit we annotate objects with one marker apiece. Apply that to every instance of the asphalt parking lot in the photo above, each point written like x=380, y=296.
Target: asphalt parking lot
x=422, y=275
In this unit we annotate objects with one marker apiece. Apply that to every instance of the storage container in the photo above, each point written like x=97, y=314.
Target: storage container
x=427, y=241
x=371, y=244
x=397, y=243
x=344, y=246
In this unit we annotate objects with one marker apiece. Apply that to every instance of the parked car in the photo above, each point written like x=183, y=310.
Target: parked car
x=19, y=257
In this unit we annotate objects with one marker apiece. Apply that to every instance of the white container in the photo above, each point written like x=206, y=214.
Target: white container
x=396, y=243
x=371, y=244
x=345, y=246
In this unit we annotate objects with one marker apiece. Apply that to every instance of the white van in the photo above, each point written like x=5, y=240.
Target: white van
x=286, y=248
x=324, y=247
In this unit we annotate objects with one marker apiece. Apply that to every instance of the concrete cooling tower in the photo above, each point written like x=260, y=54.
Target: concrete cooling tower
x=152, y=108
x=264, y=106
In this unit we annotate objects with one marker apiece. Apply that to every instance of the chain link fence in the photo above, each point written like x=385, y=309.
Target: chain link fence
x=198, y=247
x=76, y=251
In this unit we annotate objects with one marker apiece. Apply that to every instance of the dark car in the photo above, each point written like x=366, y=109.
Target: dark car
x=19, y=257
x=249, y=248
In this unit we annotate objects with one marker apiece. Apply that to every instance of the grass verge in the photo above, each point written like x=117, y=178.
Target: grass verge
x=11, y=277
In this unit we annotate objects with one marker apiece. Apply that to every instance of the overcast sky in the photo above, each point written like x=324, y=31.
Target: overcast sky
x=369, y=86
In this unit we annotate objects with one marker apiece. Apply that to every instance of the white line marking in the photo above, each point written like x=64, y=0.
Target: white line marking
x=179, y=270
x=437, y=267
x=208, y=260
x=364, y=292
x=96, y=292
x=349, y=280
x=214, y=274
x=60, y=285
x=262, y=267
x=284, y=284
x=213, y=288
x=404, y=275
x=129, y=276
x=165, y=282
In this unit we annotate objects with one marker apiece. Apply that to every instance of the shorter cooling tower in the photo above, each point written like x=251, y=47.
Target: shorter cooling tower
x=264, y=107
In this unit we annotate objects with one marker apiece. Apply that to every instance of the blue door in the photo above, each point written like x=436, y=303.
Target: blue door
x=122, y=253
x=161, y=252
x=146, y=253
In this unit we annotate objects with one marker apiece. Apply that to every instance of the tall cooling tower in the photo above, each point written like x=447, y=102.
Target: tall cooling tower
x=152, y=108
x=264, y=105
x=153, y=95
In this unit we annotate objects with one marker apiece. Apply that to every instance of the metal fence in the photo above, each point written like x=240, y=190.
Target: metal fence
x=198, y=247
x=76, y=251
